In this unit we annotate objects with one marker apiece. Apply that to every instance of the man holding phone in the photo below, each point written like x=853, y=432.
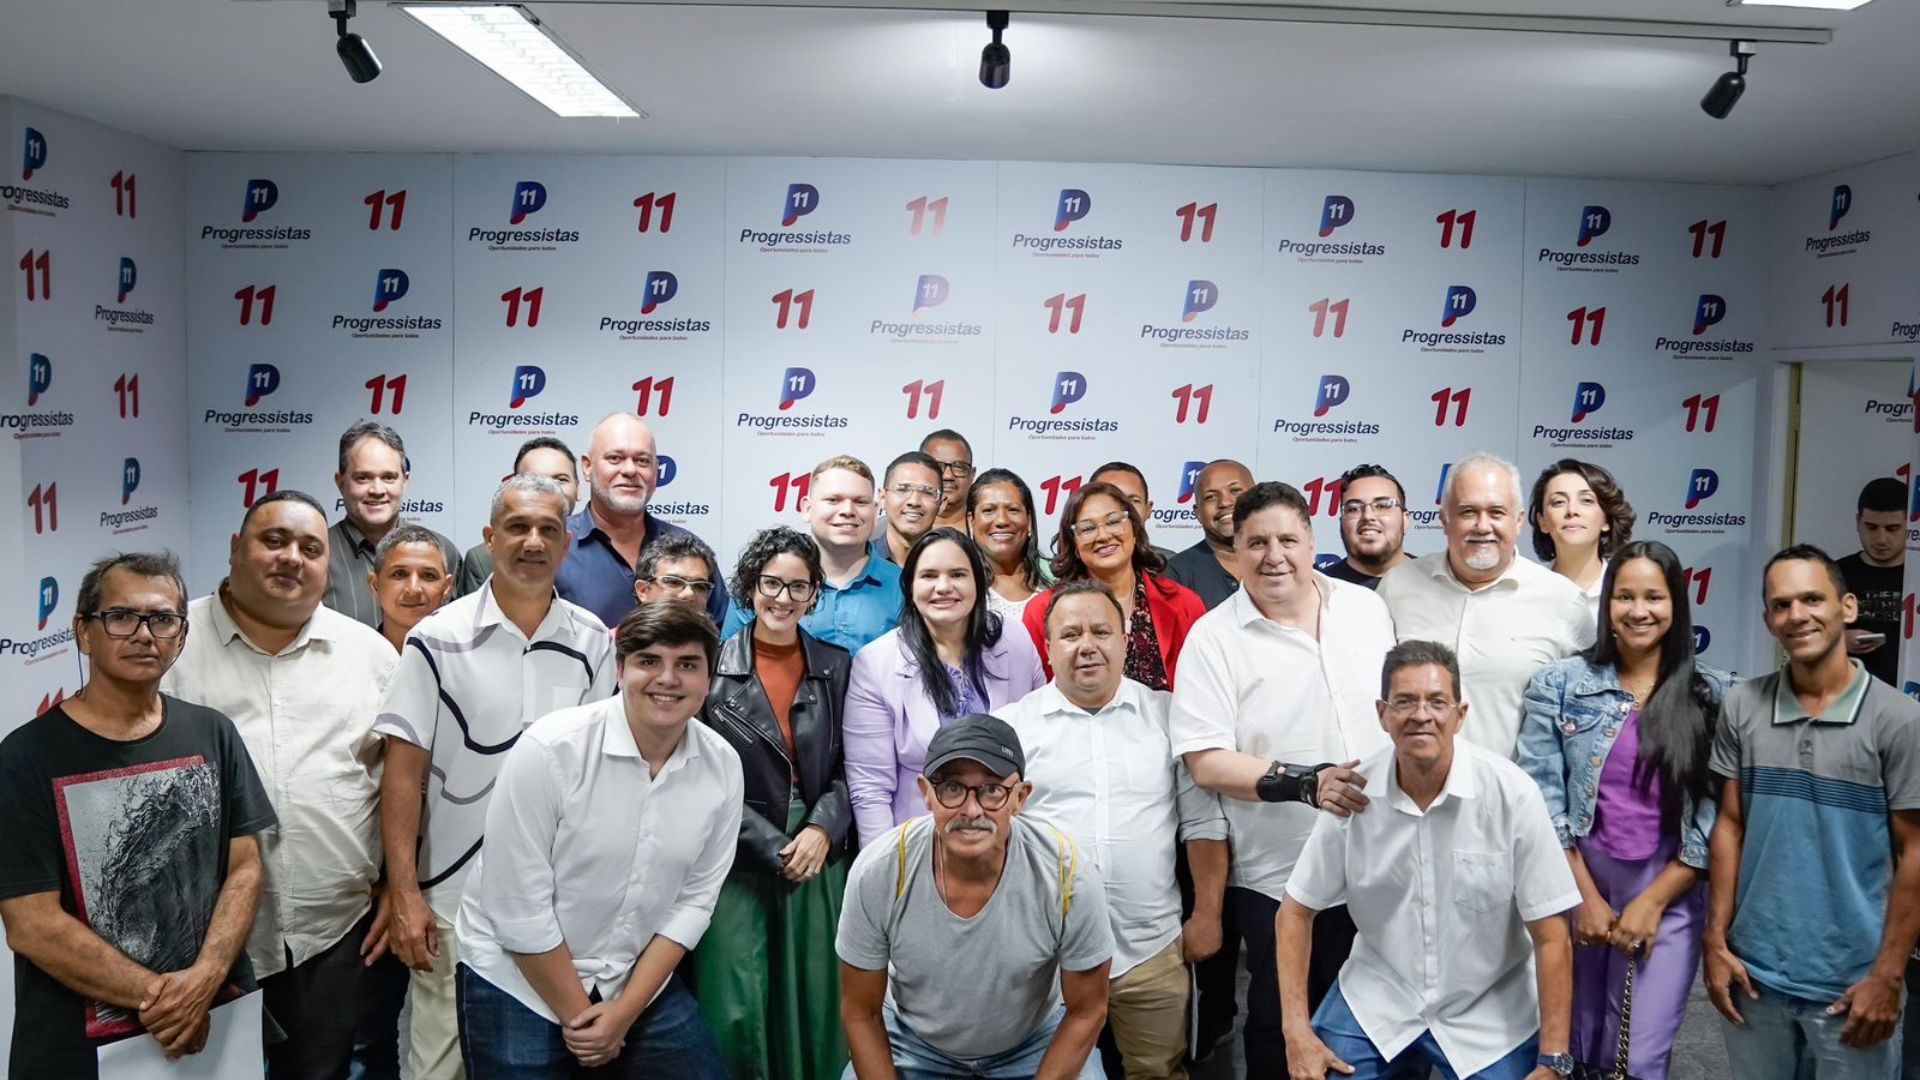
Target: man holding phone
x=1875, y=576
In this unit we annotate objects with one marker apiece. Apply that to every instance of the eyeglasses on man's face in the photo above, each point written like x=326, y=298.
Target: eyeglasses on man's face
x=1405, y=705
x=904, y=490
x=957, y=468
x=1114, y=522
x=952, y=794
x=674, y=583
x=125, y=623
x=1380, y=507
x=771, y=588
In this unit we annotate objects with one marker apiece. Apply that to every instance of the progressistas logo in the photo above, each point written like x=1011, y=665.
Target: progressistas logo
x=657, y=290
x=1588, y=398
x=1330, y=392
x=528, y=382
x=1702, y=485
x=35, y=649
x=129, y=276
x=129, y=479
x=48, y=597
x=1459, y=302
x=390, y=286
x=259, y=196
x=133, y=520
x=29, y=200
x=262, y=381
x=1199, y=298
x=33, y=155
x=929, y=292
x=1073, y=204
x=1709, y=310
x=125, y=320
x=529, y=198
x=1067, y=388
x=37, y=425
x=799, y=201
x=796, y=385
x=1181, y=513
x=1595, y=222
x=39, y=377
x=1838, y=243
x=1336, y=213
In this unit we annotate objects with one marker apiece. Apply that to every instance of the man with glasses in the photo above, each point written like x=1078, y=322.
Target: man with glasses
x=372, y=480
x=542, y=455
x=910, y=496
x=678, y=566
x=861, y=598
x=130, y=865
x=931, y=984
x=1209, y=567
x=955, y=457
x=472, y=676
x=1373, y=526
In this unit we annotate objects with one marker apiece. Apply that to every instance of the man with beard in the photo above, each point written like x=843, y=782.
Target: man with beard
x=1373, y=526
x=1210, y=567
x=373, y=481
x=910, y=496
x=1504, y=617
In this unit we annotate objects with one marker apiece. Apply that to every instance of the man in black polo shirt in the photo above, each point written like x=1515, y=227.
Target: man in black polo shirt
x=1876, y=577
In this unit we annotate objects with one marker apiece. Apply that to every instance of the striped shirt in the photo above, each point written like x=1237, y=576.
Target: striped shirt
x=350, y=560
x=468, y=683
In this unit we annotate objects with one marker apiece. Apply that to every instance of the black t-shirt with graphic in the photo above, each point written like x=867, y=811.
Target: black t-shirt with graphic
x=1879, y=590
x=134, y=837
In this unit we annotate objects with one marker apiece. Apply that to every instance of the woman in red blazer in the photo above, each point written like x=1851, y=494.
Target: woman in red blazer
x=1102, y=537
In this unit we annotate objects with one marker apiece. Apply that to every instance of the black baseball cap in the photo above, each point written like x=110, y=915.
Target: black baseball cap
x=988, y=740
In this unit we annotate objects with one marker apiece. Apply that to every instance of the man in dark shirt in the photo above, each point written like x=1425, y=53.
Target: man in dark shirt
x=1206, y=567
x=129, y=864
x=1373, y=526
x=1876, y=576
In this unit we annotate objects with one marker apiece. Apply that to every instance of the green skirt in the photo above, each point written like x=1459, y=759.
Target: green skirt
x=767, y=977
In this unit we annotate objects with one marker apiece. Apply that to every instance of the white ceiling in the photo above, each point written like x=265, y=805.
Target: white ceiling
x=232, y=74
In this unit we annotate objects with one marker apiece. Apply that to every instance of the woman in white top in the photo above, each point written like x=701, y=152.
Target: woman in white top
x=1000, y=517
x=1580, y=517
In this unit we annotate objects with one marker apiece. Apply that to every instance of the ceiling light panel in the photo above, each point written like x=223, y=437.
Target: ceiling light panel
x=516, y=47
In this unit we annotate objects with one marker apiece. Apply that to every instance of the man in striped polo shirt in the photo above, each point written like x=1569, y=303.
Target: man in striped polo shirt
x=1815, y=859
x=471, y=677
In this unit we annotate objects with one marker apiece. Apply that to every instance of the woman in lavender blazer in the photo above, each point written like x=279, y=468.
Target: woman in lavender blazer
x=949, y=657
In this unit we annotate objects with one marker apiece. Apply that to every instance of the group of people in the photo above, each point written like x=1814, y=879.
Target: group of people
x=905, y=795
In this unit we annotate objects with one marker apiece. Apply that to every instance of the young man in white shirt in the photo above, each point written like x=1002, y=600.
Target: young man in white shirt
x=612, y=827
x=1457, y=883
x=1103, y=772
x=1503, y=616
x=302, y=684
x=1276, y=688
x=472, y=676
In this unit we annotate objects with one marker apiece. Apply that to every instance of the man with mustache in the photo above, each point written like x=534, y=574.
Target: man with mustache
x=973, y=992
x=910, y=495
x=1208, y=567
x=302, y=683
x=373, y=479
x=1093, y=740
x=1504, y=616
x=472, y=676
x=1373, y=526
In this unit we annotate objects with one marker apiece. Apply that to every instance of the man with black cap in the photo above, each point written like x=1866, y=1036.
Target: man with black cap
x=973, y=993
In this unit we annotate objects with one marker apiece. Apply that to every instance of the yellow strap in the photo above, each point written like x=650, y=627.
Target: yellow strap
x=1069, y=862
x=900, y=878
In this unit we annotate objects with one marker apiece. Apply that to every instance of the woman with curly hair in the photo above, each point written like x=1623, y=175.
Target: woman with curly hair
x=1000, y=516
x=1580, y=517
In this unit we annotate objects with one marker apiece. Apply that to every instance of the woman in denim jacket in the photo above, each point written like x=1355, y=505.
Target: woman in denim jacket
x=1618, y=741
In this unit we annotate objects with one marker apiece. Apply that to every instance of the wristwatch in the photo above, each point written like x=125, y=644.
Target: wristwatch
x=1561, y=1063
x=1290, y=783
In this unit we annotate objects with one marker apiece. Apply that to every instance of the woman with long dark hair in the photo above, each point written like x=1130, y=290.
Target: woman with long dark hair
x=1000, y=516
x=1102, y=538
x=764, y=973
x=1618, y=741
x=949, y=656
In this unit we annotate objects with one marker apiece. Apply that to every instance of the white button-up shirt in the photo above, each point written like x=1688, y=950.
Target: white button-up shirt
x=1442, y=899
x=1248, y=683
x=1502, y=632
x=1109, y=780
x=468, y=682
x=306, y=715
x=584, y=847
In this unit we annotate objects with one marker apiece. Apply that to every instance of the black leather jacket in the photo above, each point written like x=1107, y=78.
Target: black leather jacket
x=738, y=709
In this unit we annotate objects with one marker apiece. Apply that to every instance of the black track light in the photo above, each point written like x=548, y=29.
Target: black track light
x=1729, y=86
x=362, y=66
x=996, y=63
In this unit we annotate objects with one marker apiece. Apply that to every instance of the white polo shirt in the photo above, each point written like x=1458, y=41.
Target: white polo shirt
x=1442, y=899
x=1109, y=780
x=468, y=683
x=1248, y=683
x=306, y=715
x=1503, y=633
x=584, y=847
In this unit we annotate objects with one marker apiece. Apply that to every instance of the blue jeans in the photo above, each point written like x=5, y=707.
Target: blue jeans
x=501, y=1039
x=1336, y=1026
x=1785, y=1037
x=916, y=1059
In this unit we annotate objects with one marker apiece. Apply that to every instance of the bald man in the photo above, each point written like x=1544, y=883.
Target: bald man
x=621, y=467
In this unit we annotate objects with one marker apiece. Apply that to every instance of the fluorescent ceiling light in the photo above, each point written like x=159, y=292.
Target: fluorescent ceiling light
x=509, y=40
x=1823, y=5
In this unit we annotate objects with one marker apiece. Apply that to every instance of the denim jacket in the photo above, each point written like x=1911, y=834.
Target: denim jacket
x=1573, y=714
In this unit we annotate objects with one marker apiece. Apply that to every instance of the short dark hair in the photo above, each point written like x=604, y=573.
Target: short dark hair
x=283, y=495
x=945, y=434
x=1883, y=494
x=1270, y=493
x=1369, y=471
x=546, y=442
x=408, y=534
x=666, y=622
x=370, y=429
x=1419, y=654
x=778, y=540
x=146, y=564
x=913, y=457
x=1807, y=553
x=1079, y=587
x=680, y=545
x=1606, y=491
x=1121, y=466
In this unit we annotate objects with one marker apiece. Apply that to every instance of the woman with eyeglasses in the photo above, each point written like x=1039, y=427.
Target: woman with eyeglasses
x=1000, y=515
x=765, y=972
x=1580, y=517
x=1102, y=537
x=1618, y=741
x=949, y=657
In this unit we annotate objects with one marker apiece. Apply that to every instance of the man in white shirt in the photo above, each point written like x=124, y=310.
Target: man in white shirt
x=1103, y=772
x=1274, y=705
x=1457, y=883
x=472, y=676
x=612, y=827
x=302, y=684
x=1503, y=616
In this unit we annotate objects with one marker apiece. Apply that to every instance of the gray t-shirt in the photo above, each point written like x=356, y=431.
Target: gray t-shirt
x=980, y=986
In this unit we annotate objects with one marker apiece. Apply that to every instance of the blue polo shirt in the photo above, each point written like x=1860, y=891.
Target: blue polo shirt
x=867, y=607
x=598, y=578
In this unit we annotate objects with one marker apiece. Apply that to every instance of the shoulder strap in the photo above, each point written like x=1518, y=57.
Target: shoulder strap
x=1069, y=863
x=900, y=873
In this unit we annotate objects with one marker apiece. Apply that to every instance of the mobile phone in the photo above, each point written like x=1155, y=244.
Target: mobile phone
x=1872, y=637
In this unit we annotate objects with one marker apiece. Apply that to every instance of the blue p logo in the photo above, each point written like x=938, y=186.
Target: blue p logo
x=1074, y=204
x=1588, y=397
x=261, y=195
x=661, y=286
x=1068, y=387
x=528, y=381
x=1709, y=310
x=667, y=470
x=1440, y=489
x=39, y=377
x=1333, y=390
x=1190, y=479
x=388, y=285
x=1703, y=637
x=801, y=200
x=1336, y=211
x=528, y=197
x=1458, y=305
x=1842, y=202
x=1594, y=222
x=49, y=599
x=129, y=479
x=262, y=379
x=35, y=154
x=929, y=292
x=129, y=277
x=1201, y=296
x=795, y=383
x=1701, y=484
